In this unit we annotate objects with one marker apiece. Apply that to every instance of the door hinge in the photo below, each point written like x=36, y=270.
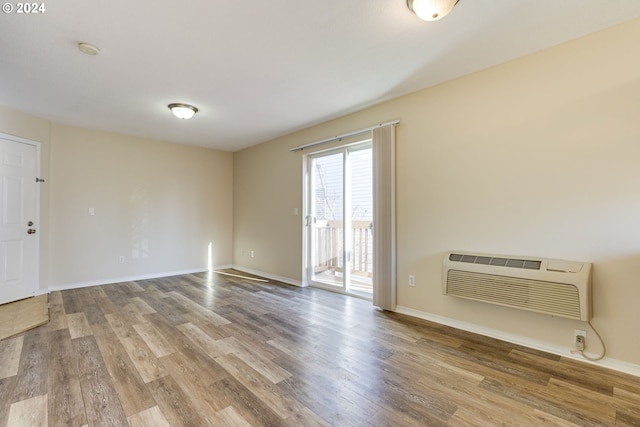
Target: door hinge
x=39, y=180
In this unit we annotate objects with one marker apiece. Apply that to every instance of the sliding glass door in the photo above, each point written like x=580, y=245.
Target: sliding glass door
x=340, y=219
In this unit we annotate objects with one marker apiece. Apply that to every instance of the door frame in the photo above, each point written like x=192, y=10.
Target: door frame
x=36, y=255
x=307, y=239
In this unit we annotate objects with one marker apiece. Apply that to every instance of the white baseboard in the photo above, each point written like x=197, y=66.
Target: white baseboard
x=282, y=279
x=99, y=282
x=607, y=362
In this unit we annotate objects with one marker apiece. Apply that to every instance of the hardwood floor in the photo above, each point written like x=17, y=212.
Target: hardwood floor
x=218, y=350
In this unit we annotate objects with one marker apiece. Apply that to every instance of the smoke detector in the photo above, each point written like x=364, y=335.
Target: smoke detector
x=88, y=48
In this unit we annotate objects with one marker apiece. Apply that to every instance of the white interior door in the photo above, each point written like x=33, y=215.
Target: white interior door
x=18, y=216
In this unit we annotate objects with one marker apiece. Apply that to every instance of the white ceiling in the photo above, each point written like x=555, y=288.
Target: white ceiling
x=258, y=69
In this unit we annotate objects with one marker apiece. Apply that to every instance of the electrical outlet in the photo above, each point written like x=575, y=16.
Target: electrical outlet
x=121, y=259
x=412, y=280
x=580, y=342
x=579, y=339
x=253, y=254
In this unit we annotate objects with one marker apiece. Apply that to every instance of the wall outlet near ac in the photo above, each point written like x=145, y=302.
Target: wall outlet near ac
x=579, y=339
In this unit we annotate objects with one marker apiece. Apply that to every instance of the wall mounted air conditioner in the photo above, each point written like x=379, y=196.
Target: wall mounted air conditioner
x=556, y=287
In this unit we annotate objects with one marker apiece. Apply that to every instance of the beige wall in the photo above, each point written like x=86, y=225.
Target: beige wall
x=539, y=156
x=267, y=184
x=158, y=204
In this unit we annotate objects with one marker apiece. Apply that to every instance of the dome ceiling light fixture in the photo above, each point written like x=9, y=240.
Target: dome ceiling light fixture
x=183, y=111
x=431, y=10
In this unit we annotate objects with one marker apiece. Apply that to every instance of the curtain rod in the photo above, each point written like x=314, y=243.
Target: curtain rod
x=344, y=135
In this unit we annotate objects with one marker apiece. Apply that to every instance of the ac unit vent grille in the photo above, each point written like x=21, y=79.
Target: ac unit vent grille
x=557, y=299
x=526, y=264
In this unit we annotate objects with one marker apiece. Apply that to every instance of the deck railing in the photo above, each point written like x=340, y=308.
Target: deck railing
x=328, y=247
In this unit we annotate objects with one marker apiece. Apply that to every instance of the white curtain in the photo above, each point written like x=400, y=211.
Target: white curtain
x=384, y=217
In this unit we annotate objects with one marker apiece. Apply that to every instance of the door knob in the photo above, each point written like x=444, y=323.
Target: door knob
x=31, y=231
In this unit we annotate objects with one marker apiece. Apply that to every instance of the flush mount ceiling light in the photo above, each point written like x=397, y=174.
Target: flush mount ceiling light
x=431, y=10
x=183, y=111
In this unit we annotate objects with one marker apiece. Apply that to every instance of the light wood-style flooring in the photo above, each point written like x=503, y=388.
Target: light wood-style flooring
x=216, y=350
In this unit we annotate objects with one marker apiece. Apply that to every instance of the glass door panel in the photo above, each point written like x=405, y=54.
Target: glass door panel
x=361, y=218
x=327, y=212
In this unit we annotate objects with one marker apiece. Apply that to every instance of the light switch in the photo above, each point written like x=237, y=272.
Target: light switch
x=92, y=211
